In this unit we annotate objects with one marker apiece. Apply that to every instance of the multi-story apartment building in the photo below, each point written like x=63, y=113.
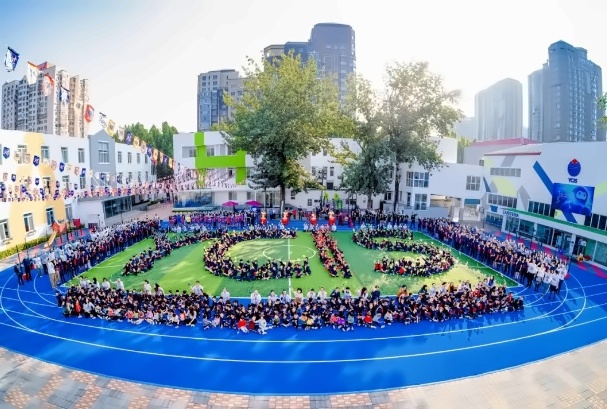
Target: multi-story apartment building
x=212, y=88
x=26, y=107
x=58, y=163
x=437, y=193
x=332, y=45
x=563, y=97
x=498, y=111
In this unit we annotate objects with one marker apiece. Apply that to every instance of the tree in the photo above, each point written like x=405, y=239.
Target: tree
x=286, y=113
x=161, y=139
x=371, y=173
x=603, y=108
x=415, y=107
x=462, y=143
x=368, y=171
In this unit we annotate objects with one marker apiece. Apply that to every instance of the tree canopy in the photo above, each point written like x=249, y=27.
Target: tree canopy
x=161, y=139
x=286, y=113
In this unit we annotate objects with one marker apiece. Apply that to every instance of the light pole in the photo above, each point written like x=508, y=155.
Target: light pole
x=322, y=175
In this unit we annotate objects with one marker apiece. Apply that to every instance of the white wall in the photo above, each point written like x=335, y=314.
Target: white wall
x=144, y=165
x=180, y=141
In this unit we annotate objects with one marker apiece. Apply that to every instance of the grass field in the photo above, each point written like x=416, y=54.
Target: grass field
x=184, y=266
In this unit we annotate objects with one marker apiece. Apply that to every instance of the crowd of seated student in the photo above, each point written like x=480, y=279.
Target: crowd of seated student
x=341, y=309
x=330, y=255
x=217, y=262
x=366, y=234
x=422, y=267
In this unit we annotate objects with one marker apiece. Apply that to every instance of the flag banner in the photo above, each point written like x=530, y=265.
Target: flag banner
x=27, y=158
x=103, y=120
x=6, y=152
x=77, y=171
x=37, y=181
x=4, y=177
x=136, y=142
x=61, y=166
x=54, y=165
x=11, y=59
x=143, y=146
x=32, y=74
x=36, y=161
x=64, y=95
x=111, y=128
x=47, y=85
x=83, y=173
x=129, y=138
x=13, y=177
x=89, y=113
x=165, y=159
x=120, y=133
x=171, y=163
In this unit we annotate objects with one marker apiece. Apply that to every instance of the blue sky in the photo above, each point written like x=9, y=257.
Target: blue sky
x=142, y=56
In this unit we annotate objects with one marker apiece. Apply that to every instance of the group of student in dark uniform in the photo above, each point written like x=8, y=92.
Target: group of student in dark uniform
x=432, y=260
x=219, y=263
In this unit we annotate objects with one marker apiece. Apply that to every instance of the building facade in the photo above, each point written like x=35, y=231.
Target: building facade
x=439, y=193
x=498, y=111
x=26, y=108
x=213, y=86
x=554, y=193
x=563, y=97
x=42, y=164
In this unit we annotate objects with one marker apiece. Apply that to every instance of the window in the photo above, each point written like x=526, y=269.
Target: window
x=138, y=176
x=28, y=220
x=511, y=172
x=119, y=159
x=418, y=179
x=65, y=182
x=104, y=152
x=331, y=171
x=5, y=233
x=481, y=162
x=324, y=152
x=388, y=196
x=232, y=196
x=539, y=208
x=293, y=194
x=309, y=202
x=80, y=155
x=129, y=178
x=68, y=212
x=44, y=152
x=421, y=201
x=473, y=183
x=129, y=158
x=250, y=196
x=408, y=199
x=138, y=158
x=147, y=176
x=82, y=182
x=313, y=170
x=64, y=155
x=210, y=151
x=330, y=186
x=145, y=159
x=504, y=201
x=188, y=151
x=22, y=149
x=50, y=216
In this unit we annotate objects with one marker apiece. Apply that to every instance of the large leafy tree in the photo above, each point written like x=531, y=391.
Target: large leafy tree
x=161, y=139
x=286, y=113
x=416, y=106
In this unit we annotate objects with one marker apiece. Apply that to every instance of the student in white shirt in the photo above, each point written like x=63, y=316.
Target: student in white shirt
x=547, y=280
x=322, y=294
x=272, y=298
x=285, y=298
x=255, y=297
x=225, y=295
x=197, y=289
x=554, y=285
x=147, y=288
x=119, y=284
x=262, y=325
x=539, y=278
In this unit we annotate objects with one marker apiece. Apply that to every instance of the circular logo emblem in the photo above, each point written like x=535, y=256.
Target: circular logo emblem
x=574, y=168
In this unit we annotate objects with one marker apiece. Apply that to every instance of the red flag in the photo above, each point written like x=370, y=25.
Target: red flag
x=77, y=223
x=89, y=113
x=56, y=227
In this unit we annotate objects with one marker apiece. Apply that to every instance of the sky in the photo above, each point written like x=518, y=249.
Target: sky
x=142, y=57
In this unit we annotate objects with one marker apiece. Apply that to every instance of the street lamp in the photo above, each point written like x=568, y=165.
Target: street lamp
x=322, y=175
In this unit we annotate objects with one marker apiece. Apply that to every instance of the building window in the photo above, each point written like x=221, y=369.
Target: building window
x=408, y=199
x=388, y=196
x=145, y=159
x=510, y=172
x=119, y=160
x=250, y=196
x=232, y=196
x=418, y=179
x=313, y=170
x=68, y=212
x=188, y=151
x=324, y=152
x=147, y=176
x=82, y=182
x=28, y=221
x=129, y=158
x=138, y=158
x=22, y=149
x=210, y=151
x=5, y=233
x=481, y=162
x=104, y=152
x=293, y=194
x=50, y=216
x=309, y=202
x=331, y=171
x=504, y=201
x=44, y=152
x=80, y=155
x=473, y=183
x=421, y=201
x=65, y=181
x=539, y=208
x=129, y=180
x=64, y=155
x=138, y=176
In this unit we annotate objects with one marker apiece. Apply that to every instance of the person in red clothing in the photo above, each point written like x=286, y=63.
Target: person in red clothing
x=242, y=325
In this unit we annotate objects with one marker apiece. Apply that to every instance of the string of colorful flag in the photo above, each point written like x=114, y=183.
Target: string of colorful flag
x=34, y=72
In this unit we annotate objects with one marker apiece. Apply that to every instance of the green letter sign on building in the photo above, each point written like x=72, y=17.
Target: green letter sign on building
x=236, y=161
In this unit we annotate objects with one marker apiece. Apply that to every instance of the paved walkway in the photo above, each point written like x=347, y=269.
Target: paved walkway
x=577, y=379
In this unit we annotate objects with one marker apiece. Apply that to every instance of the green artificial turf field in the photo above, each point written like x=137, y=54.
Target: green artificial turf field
x=184, y=266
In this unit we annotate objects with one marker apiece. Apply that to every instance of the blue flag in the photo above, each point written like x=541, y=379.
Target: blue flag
x=6, y=152
x=11, y=60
